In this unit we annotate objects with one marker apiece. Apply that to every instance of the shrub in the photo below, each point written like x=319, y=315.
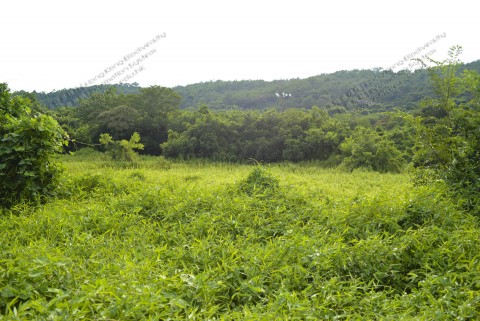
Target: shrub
x=28, y=143
x=122, y=150
x=259, y=181
x=368, y=149
x=448, y=141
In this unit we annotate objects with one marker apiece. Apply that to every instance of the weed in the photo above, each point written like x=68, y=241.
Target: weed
x=259, y=181
x=205, y=241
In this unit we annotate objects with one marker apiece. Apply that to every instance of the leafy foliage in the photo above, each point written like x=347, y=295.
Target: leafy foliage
x=28, y=143
x=259, y=181
x=449, y=138
x=122, y=150
x=366, y=148
x=147, y=111
x=186, y=243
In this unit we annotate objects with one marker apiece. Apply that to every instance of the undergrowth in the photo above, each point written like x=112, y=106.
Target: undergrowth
x=203, y=241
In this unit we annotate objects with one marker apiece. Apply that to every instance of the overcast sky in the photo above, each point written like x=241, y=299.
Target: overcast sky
x=54, y=44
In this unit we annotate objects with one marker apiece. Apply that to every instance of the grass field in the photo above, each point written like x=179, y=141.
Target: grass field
x=203, y=241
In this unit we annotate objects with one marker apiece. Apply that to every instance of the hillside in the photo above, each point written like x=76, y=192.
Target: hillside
x=72, y=96
x=376, y=89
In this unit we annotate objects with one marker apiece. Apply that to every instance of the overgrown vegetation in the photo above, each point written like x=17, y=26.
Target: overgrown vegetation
x=259, y=181
x=28, y=143
x=130, y=237
x=122, y=150
x=448, y=144
x=206, y=241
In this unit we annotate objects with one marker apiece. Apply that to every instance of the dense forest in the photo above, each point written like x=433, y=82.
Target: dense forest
x=270, y=135
x=71, y=97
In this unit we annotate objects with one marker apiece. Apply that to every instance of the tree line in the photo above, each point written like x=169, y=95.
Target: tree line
x=333, y=135
x=271, y=135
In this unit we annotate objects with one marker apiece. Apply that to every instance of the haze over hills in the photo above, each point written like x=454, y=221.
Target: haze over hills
x=350, y=89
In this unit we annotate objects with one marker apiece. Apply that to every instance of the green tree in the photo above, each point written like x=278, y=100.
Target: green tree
x=28, y=143
x=366, y=148
x=178, y=145
x=120, y=121
x=211, y=136
x=97, y=103
x=156, y=105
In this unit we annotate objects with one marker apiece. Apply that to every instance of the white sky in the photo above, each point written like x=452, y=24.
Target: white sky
x=53, y=44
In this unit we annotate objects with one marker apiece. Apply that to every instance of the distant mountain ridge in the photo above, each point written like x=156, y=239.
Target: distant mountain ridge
x=72, y=96
x=375, y=88
x=349, y=89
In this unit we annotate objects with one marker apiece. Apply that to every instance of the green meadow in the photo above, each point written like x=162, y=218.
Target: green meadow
x=160, y=240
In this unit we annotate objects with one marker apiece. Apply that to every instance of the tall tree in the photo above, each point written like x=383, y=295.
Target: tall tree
x=155, y=106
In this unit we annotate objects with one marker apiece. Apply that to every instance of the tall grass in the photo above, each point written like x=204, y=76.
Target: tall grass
x=203, y=241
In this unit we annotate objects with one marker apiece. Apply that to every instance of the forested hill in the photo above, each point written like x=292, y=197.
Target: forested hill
x=72, y=96
x=376, y=89
x=373, y=89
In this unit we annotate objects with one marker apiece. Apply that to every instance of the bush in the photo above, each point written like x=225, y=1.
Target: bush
x=448, y=141
x=368, y=149
x=122, y=150
x=259, y=182
x=29, y=141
